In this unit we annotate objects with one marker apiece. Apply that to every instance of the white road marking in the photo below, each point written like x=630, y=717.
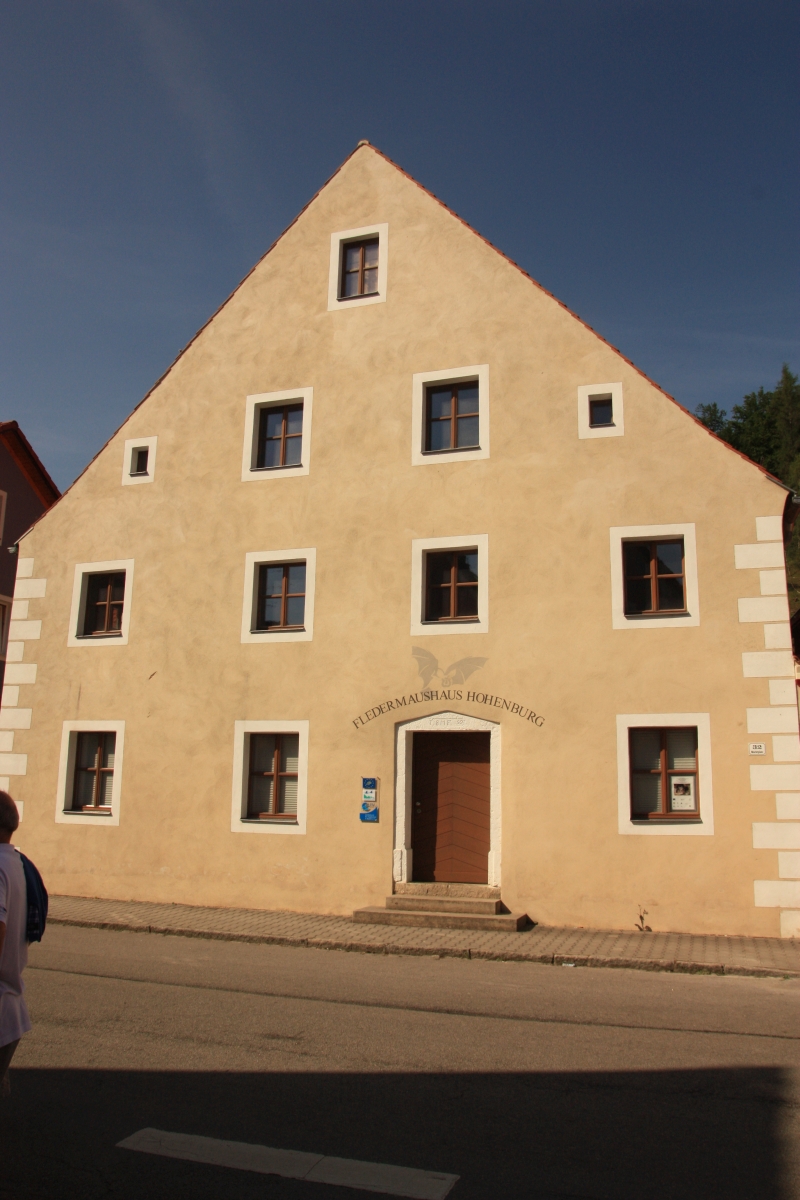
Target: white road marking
x=295, y=1164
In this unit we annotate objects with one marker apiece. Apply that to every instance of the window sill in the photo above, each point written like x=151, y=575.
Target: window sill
x=138, y=474
x=87, y=812
x=269, y=821
x=279, y=629
x=663, y=615
x=360, y=296
x=666, y=820
x=451, y=450
x=94, y=637
x=282, y=467
x=453, y=621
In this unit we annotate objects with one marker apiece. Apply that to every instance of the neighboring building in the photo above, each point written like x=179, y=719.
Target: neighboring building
x=563, y=654
x=26, y=491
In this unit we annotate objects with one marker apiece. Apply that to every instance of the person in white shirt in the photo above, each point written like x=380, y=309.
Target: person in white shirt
x=14, y=1019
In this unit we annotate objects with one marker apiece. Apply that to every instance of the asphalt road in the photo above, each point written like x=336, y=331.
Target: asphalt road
x=527, y=1081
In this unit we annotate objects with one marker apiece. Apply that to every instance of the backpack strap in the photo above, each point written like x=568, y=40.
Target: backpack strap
x=37, y=901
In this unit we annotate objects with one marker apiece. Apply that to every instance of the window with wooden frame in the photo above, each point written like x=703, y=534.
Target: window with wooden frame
x=451, y=586
x=105, y=599
x=281, y=596
x=654, y=577
x=272, y=778
x=280, y=437
x=663, y=766
x=359, y=276
x=94, y=772
x=452, y=418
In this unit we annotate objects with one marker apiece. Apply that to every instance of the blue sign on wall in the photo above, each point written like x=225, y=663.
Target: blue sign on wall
x=369, y=799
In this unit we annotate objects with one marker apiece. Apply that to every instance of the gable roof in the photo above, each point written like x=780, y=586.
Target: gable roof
x=28, y=462
x=365, y=144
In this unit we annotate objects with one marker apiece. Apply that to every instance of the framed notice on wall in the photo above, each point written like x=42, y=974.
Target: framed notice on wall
x=682, y=793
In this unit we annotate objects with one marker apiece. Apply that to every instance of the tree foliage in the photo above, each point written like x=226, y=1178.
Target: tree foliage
x=765, y=427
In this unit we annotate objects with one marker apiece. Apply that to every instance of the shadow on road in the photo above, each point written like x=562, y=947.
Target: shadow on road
x=622, y=1136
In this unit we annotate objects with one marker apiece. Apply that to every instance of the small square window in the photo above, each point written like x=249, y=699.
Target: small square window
x=359, y=269
x=601, y=411
x=139, y=462
x=451, y=587
x=281, y=596
x=280, y=436
x=105, y=601
x=273, y=776
x=664, y=775
x=654, y=577
x=93, y=782
x=452, y=417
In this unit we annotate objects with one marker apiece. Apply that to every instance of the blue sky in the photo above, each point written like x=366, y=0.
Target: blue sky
x=637, y=157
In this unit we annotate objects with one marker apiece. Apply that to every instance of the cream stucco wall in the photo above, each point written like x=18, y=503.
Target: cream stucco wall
x=545, y=499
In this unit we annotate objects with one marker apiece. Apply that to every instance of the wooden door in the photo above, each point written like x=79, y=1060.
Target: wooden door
x=450, y=800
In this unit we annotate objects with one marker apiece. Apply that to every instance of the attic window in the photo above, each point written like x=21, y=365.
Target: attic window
x=139, y=461
x=600, y=411
x=358, y=267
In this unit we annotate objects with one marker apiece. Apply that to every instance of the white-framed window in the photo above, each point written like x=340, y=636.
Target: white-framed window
x=685, y=780
x=139, y=460
x=358, y=267
x=600, y=412
x=667, y=555
x=450, y=585
x=278, y=599
x=270, y=777
x=450, y=415
x=277, y=434
x=90, y=773
x=100, y=614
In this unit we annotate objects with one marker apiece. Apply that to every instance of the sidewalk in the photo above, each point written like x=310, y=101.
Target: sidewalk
x=684, y=952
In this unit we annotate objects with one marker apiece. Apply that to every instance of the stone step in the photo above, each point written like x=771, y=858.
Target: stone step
x=444, y=904
x=490, y=923
x=474, y=891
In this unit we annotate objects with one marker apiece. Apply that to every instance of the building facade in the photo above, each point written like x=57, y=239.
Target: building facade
x=26, y=491
x=398, y=536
